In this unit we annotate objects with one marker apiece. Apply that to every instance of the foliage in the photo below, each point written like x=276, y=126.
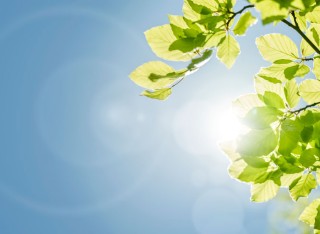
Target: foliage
x=281, y=147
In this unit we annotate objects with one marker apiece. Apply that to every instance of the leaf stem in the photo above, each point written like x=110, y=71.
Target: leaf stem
x=234, y=14
x=297, y=28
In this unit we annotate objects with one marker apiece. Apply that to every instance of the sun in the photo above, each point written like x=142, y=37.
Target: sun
x=228, y=125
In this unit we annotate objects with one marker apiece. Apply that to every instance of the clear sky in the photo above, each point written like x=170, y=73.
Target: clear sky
x=82, y=152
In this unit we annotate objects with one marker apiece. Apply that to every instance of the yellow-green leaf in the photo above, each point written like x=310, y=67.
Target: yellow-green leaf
x=160, y=94
x=155, y=75
x=291, y=93
x=310, y=213
x=264, y=192
x=228, y=51
x=302, y=186
x=160, y=39
x=316, y=67
x=271, y=11
x=246, y=20
x=310, y=91
x=276, y=46
x=314, y=15
x=245, y=103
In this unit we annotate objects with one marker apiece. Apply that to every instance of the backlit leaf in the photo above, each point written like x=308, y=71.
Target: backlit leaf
x=275, y=46
x=155, y=75
x=160, y=39
x=302, y=186
x=257, y=142
x=246, y=20
x=310, y=91
x=264, y=192
x=228, y=51
x=160, y=94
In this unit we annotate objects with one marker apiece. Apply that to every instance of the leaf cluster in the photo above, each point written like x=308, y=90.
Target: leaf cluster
x=281, y=145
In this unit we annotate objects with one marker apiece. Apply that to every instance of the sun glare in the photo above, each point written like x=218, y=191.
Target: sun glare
x=228, y=125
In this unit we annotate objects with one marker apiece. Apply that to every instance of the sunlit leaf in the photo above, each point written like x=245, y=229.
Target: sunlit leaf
x=258, y=142
x=302, y=186
x=310, y=91
x=264, y=192
x=273, y=100
x=155, y=75
x=316, y=67
x=160, y=39
x=160, y=94
x=309, y=157
x=246, y=20
x=291, y=93
x=245, y=103
x=310, y=213
x=228, y=51
x=314, y=16
x=289, y=136
x=275, y=46
x=261, y=117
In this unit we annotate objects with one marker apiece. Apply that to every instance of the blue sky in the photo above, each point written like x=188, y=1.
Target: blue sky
x=82, y=152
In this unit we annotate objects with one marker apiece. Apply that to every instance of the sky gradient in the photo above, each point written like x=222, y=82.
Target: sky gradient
x=82, y=152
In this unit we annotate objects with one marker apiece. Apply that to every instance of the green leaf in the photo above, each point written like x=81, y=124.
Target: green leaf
x=309, y=157
x=310, y=213
x=271, y=10
x=287, y=179
x=310, y=91
x=309, y=117
x=284, y=71
x=263, y=85
x=261, y=117
x=291, y=93
x=229, y=148
x=306, y=134
x=213, y=40
x=297, y=70
x=273, y=100
x=264, y=192
x=258, y=142
x=301, y=20
x=316, y=67
x=161, y=39
x=302, y=186
x=306, y=49
x=200, y=61
x=245, y=103
x=228, y=51
x=160, y=94
x=313, y=34
x=288, y=164
x=155, y=75
x=275, y=46
x=251, y=174
x=246, y=20
x=186, y=45
x=237, y=168
x=314, y=16
x=195, y=9
x=289, y=136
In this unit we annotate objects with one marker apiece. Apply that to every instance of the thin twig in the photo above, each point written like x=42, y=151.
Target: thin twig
x=297, y=28
x=304, y=108
x=234, y=14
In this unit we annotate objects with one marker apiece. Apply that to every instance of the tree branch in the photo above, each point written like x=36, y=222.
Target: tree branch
x=297, y=28
x=304, y=108
x=234, y=14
